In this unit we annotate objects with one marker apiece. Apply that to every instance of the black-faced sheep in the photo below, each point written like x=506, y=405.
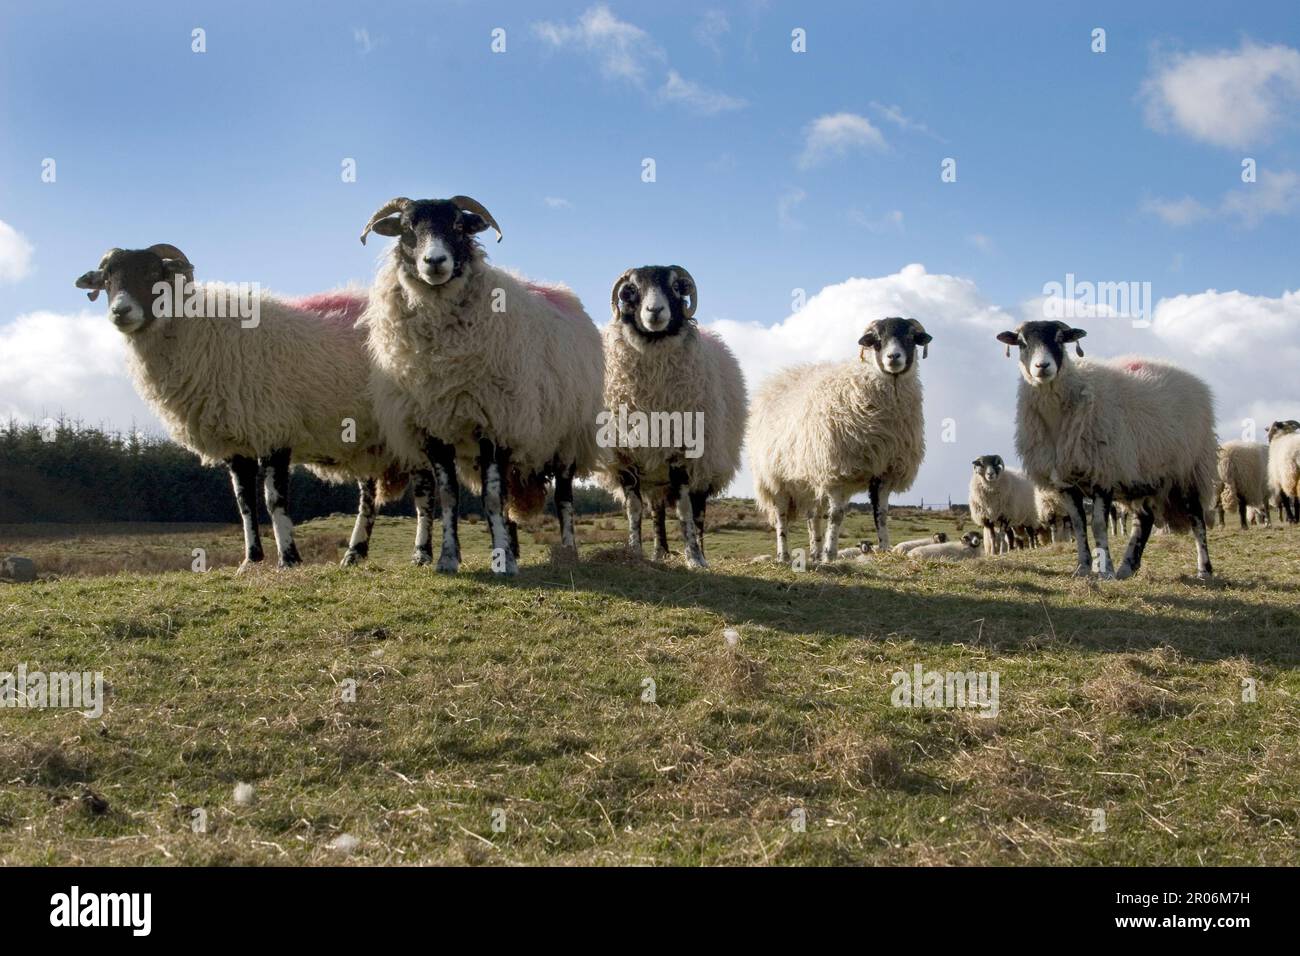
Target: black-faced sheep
x=476, y=366
x=1284, y=467
x=819, y=434
x=1243, y=470
x=249, y=380
x=903, y=547
x=674, y=415
x=1133, y=429
x=963, y=549
x=1002, y=502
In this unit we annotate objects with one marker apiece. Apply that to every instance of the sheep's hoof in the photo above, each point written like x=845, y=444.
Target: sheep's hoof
x=447, y=564
x=1205, y=575
x=421, y=558
x=1106, y=575
x=696, y=561
x=1125, y=572
x=352, y=557
x=661, y=555
x=1082, y=571
x=290, y=559
x=248, y=564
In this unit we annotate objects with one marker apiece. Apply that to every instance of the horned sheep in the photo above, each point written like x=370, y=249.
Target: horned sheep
x=1002, y=502
x=287, y=380
x=1131, y=429
x=476, y=369
x=819, y=434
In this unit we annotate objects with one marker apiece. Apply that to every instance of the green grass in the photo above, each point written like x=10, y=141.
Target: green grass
x=523, y=698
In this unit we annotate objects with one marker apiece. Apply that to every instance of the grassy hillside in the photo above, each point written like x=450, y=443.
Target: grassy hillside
x=520, y=703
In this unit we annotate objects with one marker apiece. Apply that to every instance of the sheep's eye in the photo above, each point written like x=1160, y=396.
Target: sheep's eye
x=680, y=288
x=627, y=293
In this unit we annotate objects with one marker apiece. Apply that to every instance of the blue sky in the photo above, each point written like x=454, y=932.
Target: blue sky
x=775, y=170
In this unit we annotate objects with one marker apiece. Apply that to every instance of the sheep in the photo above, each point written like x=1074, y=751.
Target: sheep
x=963, y=549
x=903, y=547
x=252, y=381
x=1243, y=470
x=1284, y=468
x=1001, y=501
x=1053, y=514
x=821, y=433
x=475, y=367
x=661, y=369
x=1133, y=429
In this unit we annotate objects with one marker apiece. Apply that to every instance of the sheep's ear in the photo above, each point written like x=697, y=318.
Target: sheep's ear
x=392, y=226
x=1068, y=334
x=975, y=463
x=92, y=280
x=1008, y=339
x=869, y=340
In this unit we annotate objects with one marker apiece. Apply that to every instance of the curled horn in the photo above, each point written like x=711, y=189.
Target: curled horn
x=693, y=293
x=613, y=294
x=165, y=250
x=474, y=206
x=397, y=204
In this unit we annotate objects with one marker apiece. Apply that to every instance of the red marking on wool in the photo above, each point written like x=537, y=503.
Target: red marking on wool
x=342, y=306
x=1134, y=366
x=561, y=299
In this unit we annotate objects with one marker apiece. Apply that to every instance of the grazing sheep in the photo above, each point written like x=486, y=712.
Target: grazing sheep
x=1243, y=470
x=1284, y=467
x=252, y=387
x=1133, y=429
x=476, y=366
x=903, y=547
x=963, y=549
x=1001, y=502
x=682, y=392
x=1053, y=514
x=822, y=433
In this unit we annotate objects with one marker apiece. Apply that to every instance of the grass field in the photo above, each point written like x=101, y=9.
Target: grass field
x=506, y=722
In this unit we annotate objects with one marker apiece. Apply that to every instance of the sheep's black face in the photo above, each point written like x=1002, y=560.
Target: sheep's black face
x=989, y=467
x=655, y=301
x=436, y=239
x=134, y=280
x=971, y=539
x=894, y=342
x=1283, y=428
x=1042, y=348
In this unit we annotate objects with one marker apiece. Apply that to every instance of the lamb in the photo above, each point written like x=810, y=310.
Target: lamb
x=903, y=547
x=1243, y=469
x=821, y=433
x=1133, y=429
x=248, y=379
x=661, y=371
x=1001, y=501
x=477, y=367
x=1284, y=467
x=963, y=549
x=1053, y=513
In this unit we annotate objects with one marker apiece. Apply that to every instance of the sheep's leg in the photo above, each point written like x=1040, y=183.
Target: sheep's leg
x=1101, y=531
x=1137, y=544
x=679, y=496
x=632, y=501
x=1204, y=570
x=660, y=511
x=834, y=519
x=699, y=501
x=1074, y=501
x=990, y=541
x=359, y=543
x=494, y=465
x=422, y=490
x=815, y=531
x=243, y=477
x=1241, y=512
x=782, y=543
x=276, y=486
x=443, y=458
x=563, y=509
x=880, y=511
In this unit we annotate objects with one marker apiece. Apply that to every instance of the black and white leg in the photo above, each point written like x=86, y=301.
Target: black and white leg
x=1074, y=502
x=631, y=482
x=442, y=456
x=276, y=485
x=494, y=466
x=679, y=496
x=1138, y=542
x=782, y=540
x=1101, y=503
x=880, y=511
x=422, y=491
x=815, y=530
x=834, y=518
x=1204, y=570
x=660, y=511
x=990, y=540
x=243, y=478
x=699, y=501
x=1241, y=512
x=563, y=508
x=359, y=543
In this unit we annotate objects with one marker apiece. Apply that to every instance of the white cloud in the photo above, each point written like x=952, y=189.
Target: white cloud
x=697, y=98
x=890, y=222
x=75, y=365
x=836, y=135
x=710, y=30
x=981, y=242
x=1231, y=98
x=1275, y=194
x=364, y=42
x=786, y=204
x=896, y=116
x=622, y=49
x=557, y=202
x=15, y=254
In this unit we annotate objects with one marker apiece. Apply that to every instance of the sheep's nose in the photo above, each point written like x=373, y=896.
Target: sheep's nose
x=434, y=260
x=654, y=310
x=121, y=308
x=894, y=356
x=1042, y=365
